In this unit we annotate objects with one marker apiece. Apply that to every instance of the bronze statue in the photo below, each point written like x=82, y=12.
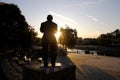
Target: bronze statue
x=49, y=43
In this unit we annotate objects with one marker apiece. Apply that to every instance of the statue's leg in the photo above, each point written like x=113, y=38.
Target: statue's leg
x=45, y=55
x=53, y=54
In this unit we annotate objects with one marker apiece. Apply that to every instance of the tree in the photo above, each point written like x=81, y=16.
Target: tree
x=34, y=39
x=116, y=33
x=109, y=38
x=14, y=30
x=68, y=37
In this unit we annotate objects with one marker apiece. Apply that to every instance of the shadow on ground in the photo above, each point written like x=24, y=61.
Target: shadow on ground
x=86, y=72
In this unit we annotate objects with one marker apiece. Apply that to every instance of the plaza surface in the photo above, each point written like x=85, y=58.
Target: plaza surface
x=94, y=67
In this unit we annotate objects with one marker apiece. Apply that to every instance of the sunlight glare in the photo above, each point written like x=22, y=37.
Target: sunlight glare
x=57, y=35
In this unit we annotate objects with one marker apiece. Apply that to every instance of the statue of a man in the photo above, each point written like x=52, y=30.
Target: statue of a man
x=49, y=43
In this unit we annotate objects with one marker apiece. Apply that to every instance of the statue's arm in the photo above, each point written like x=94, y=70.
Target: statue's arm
x=55, y=30
x=42, y=27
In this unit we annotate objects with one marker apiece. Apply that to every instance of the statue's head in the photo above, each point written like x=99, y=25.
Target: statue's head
x=49, y=18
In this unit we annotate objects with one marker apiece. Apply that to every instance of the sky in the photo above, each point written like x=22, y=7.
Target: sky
x=89, y=17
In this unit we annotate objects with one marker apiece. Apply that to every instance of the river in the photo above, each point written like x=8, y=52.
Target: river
x=80, y=51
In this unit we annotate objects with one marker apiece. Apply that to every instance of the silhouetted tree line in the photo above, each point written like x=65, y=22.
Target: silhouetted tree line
x=106, y=44
x=14, y=30
x=68, y=37
x=108, y=39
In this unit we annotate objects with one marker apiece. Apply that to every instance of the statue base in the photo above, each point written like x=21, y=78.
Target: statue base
x=64, y=70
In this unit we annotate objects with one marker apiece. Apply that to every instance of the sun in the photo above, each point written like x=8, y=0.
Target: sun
x=57, y=35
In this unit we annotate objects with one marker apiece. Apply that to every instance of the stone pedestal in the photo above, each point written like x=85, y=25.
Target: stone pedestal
x=64, y=70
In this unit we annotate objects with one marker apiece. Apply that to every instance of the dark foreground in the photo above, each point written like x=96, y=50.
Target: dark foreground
x=89, y=67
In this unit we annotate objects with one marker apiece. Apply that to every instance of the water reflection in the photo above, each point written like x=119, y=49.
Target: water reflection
x=79, y=51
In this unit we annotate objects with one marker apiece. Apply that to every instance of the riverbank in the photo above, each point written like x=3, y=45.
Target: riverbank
x=93, y=47
x=102, y=50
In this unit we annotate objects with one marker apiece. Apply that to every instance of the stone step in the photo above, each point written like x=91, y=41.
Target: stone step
x=18, y=68
x=9, y=71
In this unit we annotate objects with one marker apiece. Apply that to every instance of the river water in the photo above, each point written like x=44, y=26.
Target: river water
x=79, y=51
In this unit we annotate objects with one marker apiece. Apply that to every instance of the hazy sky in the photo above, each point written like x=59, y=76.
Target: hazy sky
x=90, y=17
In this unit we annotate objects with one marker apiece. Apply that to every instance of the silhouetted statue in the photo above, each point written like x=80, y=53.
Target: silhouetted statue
x=49, y=42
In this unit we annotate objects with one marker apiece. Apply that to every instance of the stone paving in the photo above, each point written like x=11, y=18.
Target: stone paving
x=93, y=67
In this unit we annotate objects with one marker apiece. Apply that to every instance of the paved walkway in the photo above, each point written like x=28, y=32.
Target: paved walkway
x=91, y=67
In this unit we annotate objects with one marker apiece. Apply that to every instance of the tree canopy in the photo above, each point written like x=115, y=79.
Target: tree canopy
x=14, y=30
x=68, y=37
x=109, y=38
